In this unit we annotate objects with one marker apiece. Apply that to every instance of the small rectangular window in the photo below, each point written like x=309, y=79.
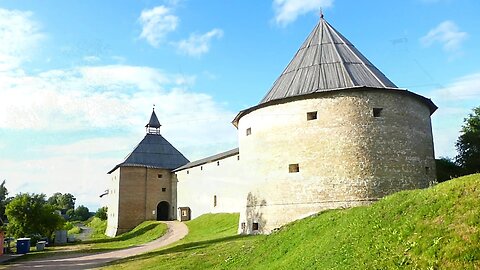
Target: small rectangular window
x=201, y=168
x=214, y=200
x=377, y=112
x=160, y=175
x=164, y=189
x=311, y=116
x=248, y=131
x=218, y=163
x=188, y=172
x=238, y=157
x=427, y=170
x=255, y=226
x=293, y=168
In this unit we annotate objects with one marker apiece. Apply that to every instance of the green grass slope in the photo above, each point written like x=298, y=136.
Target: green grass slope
x=432, y=228
x=435, y=228
x=211, y=238
x=146, y=232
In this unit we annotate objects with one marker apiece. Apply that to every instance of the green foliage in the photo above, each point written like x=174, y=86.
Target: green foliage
x=468, y=144
x=102, y=213
x=71, y=214
x=98, y=228
x=29, y=214
x=74, y=230
x=62, y=202
x=435, y=228
x=4, y=199
x=446, y=169
x=81, y=213
x=68, y=225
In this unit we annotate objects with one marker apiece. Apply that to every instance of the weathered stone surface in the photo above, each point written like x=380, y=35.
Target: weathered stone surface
x=346, y=156
x=134, y=195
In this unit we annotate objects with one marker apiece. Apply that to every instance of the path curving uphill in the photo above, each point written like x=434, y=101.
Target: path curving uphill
x=176, y=231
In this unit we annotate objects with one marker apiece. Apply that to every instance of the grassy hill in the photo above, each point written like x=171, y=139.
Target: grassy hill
x=435, y=228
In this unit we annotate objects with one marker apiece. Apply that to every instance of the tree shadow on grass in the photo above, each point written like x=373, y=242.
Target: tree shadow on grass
x=181, y=248
x=123, y=237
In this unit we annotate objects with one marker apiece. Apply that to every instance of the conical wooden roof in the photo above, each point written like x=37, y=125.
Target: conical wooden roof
x=326, y=61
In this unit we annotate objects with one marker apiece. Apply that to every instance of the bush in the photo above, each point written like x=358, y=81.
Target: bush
x=102, y=213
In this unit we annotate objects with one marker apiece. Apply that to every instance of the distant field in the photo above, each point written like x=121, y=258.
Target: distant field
x=435, y=228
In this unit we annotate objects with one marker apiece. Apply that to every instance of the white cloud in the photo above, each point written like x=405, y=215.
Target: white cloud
x=91, y=58
x=287, y=11
x=96, y=99
x=93, y=100
x=19, y=35
x=447, y=34
x=464, y=88
x=196, y=44
x=157, y=23
x=454, y=103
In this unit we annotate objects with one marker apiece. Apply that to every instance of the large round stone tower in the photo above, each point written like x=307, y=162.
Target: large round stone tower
x=332, y=132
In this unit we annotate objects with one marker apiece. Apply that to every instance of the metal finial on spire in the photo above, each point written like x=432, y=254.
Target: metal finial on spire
x=321, y=13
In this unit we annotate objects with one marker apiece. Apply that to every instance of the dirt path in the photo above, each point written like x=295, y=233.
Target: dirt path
x=176, y=231
x=85, y=234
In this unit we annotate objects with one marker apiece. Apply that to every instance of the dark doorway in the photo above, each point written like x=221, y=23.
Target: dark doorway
x=163, y=209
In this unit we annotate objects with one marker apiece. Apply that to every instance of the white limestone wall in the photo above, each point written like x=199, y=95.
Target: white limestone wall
x=113, y=203
x=346, y=156
x=225, y=179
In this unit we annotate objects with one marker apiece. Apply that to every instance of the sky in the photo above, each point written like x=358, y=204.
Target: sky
x=79, y=79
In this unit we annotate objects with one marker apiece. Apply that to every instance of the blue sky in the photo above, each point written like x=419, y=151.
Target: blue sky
x=78, y=78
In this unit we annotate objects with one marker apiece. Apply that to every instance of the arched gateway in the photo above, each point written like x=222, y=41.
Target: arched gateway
x=163, y=210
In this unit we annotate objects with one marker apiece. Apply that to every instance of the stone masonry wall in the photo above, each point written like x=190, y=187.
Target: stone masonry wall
x=346, y=156
x=135, y=196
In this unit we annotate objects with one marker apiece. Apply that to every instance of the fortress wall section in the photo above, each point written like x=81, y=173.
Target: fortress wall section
x=112, y=204
x=364, y=144
x=216, y=187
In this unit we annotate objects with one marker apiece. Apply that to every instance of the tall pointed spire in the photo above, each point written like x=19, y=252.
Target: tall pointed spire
x=153, y=126
x=326, y=61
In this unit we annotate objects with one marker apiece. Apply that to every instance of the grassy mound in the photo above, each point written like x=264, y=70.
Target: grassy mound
x=435, y=228
x=211, y=237
x=146, y=232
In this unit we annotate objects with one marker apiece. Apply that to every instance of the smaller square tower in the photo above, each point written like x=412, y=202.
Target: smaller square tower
x=143, y=186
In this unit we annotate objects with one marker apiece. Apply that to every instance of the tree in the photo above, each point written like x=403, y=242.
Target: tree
x=446, y=169
x=102, y=213
x=82, y=213
x=62, y=202
x=29, y=214
x=468, y=144
x=4, y=199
